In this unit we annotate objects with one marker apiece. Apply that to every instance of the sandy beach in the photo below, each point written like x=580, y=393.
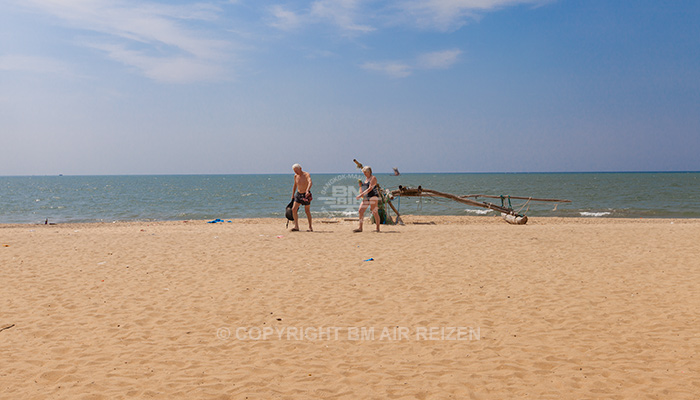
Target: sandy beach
x=447, y=307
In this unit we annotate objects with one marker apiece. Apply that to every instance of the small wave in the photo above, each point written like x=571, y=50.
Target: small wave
x=338, y=214
x=478, y=212
x=594, y=214
x=247, y=194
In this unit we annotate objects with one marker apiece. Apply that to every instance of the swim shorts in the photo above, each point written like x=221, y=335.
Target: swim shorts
x=303, y=198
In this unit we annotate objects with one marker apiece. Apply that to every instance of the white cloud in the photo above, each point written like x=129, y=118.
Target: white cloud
x=284, y=19
x=155, y=29
x=353, y=16
x=153, y=37
x=343, y=13
x=402, y=69
x=44, y=65
x=393, y=69
x=438, y=59
x=171, y=69
x=446, y=15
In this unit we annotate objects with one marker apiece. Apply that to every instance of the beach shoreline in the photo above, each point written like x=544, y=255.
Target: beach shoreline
x=467, y=307
x=409, y=219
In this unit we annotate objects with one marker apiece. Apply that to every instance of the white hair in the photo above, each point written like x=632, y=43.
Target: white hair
x=367, y=167
x=295, y=166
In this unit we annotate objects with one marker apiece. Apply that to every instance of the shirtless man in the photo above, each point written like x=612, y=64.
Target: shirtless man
x=301, y=193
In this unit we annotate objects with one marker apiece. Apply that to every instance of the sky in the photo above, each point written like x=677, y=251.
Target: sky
x=111, y=87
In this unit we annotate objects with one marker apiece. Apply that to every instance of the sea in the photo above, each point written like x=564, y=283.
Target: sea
x=79, y=199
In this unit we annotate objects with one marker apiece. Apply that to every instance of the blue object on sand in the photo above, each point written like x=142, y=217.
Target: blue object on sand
x=369, y=259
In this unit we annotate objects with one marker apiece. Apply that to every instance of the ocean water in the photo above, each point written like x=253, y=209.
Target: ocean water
x=60, y=199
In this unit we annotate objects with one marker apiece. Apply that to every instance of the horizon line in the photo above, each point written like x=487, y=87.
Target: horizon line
x=376, y=173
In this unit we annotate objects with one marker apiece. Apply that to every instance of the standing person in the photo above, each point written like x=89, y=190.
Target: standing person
x=301, y=193
x=370, y=197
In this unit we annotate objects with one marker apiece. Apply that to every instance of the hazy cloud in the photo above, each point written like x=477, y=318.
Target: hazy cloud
x=390, y=68
x=182, y=54
x=284, y=19
x=154, y=38
x=171, y=69
x=438, y=59
x=44, y=65
x=446, y=15
x=352, y=16
x=402, y=69
x=343, y=13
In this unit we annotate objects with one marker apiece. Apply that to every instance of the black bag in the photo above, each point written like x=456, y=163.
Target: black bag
x=289, y=213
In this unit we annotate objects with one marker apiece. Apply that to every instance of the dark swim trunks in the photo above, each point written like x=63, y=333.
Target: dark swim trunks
x=303, y=198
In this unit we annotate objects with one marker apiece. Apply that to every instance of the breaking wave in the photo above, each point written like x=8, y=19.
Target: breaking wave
x=594, y=214
x=478, y=212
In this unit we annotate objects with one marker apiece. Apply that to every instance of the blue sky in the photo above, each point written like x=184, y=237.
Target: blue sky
x=242, y=86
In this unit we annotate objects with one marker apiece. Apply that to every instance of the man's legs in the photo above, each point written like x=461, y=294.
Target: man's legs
x=295, y=213
x=307, y=210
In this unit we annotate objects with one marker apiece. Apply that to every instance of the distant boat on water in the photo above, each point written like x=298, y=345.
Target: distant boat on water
x=396, y=172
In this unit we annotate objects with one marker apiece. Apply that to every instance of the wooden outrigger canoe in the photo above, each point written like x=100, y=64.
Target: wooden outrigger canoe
x=509, y=215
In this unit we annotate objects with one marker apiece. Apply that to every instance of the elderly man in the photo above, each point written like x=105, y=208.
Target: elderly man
x=301, y=193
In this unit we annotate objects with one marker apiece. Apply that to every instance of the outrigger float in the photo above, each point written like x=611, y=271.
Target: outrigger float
x=506, y=209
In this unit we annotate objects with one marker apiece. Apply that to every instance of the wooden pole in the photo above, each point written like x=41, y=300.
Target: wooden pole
x=515, y=197
x=420, y=192
x=398, y=216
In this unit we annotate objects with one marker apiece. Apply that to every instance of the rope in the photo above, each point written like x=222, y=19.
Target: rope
x=526, y=204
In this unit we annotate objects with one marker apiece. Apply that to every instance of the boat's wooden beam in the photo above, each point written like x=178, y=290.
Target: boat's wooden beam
x=429, y=192
x=515, y=197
